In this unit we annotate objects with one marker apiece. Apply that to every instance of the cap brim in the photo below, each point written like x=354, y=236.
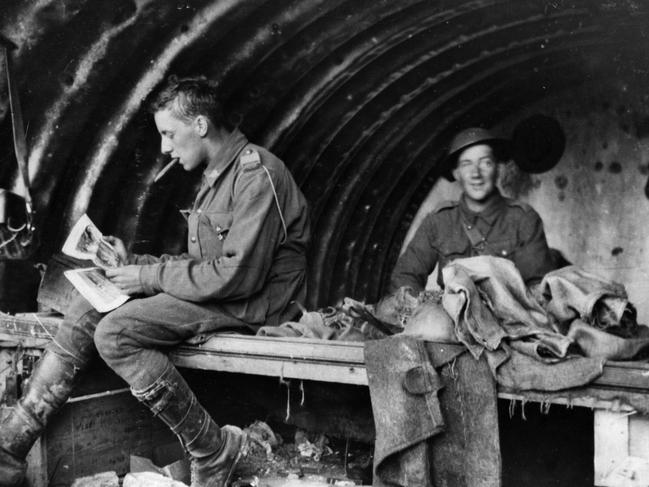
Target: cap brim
x=501, y=145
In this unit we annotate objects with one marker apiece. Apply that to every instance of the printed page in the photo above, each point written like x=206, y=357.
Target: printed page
x=93, y=285
x=83, y=243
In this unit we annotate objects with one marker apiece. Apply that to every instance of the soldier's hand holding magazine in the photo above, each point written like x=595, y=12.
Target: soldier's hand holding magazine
x=126, y=278
x=105, y=291
x=112, y=249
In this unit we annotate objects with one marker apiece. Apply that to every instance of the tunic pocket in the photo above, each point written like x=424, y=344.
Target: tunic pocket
x=503, y=248
x=213, y=229
x=455, y=250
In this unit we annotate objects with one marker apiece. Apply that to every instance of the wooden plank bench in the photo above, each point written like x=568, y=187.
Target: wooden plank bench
x=343, y=362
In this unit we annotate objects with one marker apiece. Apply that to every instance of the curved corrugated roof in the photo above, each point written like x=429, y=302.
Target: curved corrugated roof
x=358, y=97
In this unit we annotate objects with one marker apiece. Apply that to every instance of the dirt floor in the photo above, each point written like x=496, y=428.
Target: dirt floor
x=308, y=456
x=553, y=449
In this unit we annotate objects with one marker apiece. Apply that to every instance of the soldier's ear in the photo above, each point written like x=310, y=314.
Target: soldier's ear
x=200, y=123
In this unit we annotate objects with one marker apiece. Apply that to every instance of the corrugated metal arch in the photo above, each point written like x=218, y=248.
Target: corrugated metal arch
x=359, y=97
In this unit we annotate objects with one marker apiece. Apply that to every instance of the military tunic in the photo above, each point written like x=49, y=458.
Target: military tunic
x=241, y=257
x=506, y=228
x=243, y=267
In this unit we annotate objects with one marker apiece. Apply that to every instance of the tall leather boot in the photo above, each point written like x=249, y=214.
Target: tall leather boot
x=46, y=391
x=214, y=452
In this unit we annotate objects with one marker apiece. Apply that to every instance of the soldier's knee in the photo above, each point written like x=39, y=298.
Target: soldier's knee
x=109, y=337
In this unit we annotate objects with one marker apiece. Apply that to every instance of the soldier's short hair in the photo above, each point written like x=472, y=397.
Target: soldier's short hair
x=189, y=97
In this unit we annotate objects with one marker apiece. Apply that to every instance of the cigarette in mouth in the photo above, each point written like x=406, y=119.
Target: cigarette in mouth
x=164, y=170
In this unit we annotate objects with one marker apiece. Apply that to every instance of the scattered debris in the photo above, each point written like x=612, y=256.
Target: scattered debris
x=247, y=482
x=149, y=479
x=311, y=459
x=260, y=433
x=313, y=450
x=178, y=470
x=104, y=479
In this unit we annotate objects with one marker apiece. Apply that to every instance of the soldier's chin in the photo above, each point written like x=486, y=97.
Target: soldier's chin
x=481, y=195
x=190, y=165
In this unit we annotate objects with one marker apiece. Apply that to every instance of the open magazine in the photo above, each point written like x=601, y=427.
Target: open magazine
x=83, y=243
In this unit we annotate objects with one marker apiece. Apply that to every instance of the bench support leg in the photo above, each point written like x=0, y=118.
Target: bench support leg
x=621, y=449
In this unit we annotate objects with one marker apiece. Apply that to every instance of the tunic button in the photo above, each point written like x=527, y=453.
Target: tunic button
x=193, y=239
x=504, y=252
x=469, y=227
x=199, y=211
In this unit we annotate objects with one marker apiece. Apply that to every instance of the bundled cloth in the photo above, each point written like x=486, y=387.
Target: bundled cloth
x=526, y=340
x=571, y=311
x=595, y=313
x=555, y=339
x=489, y=302
x=333, y=323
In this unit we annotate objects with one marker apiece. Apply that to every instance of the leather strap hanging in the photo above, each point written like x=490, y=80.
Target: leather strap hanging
x=17, y=232
x=18, y=130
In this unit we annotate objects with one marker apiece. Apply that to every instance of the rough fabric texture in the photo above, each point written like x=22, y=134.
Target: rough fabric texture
x=431, y=322
x=46, y=391
x=572, y=292
x=398, y=306
x=494, y=312
x=488, y=301
x=240, y=256
x=134, y=338
x=404, y=388
x=171, y=400
x=327, y=324
x=571, y=311
x=597, y=343
x=520, y=371
x=214, y=451
x=351, y=321
x=468, y=453
x=508, y=229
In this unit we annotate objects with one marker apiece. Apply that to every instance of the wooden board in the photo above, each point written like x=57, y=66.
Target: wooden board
x=275, y=367
x=300, y=358
x=290, y=358
x=31, y=330
x=104, y=424
x=99, y=434
x=287, y=348
x=611, y=443
x=621, y=448
x=630, y=375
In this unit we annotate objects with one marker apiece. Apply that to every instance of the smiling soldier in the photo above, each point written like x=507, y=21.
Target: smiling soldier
x=482, y=222
x=245, y=266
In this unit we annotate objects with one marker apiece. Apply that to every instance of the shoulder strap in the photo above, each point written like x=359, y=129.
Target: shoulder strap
x=20, y=145
x=445, y=205
x=475, y=236
x=250, y=160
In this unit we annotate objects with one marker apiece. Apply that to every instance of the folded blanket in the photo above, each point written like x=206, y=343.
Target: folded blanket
x=571, y=292
x=489, y=302
x=494, y=313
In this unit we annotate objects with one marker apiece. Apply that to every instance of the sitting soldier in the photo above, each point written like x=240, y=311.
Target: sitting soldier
x=482, y=222
x=245, y=264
